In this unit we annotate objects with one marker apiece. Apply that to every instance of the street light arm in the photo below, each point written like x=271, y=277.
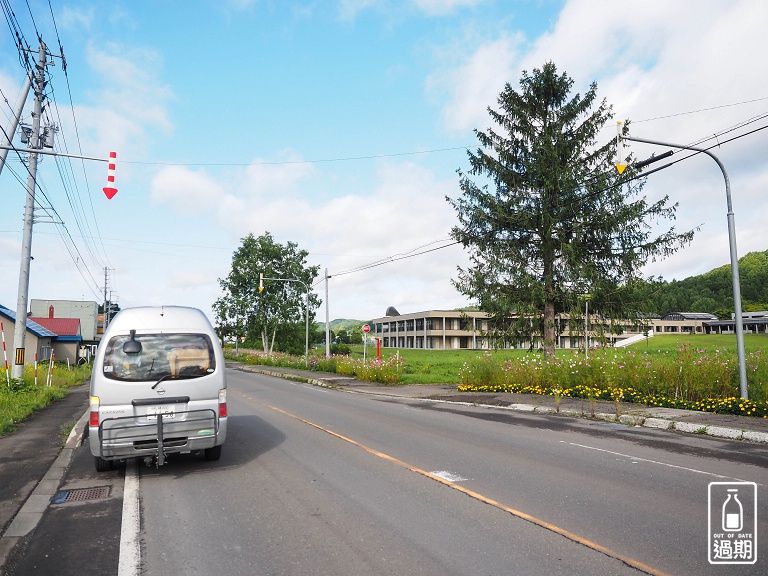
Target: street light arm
x=696, y=149
x=743, y=388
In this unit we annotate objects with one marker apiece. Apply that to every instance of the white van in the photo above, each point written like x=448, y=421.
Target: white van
x=158, y=386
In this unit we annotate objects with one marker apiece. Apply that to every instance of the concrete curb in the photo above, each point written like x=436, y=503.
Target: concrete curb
x=626, y=419
x=30, y=514
x=648, y=422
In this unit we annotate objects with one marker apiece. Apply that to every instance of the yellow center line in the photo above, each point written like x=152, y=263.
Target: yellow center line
x=522, y=515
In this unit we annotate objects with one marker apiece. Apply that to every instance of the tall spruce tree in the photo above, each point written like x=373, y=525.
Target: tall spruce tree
x=548, y=220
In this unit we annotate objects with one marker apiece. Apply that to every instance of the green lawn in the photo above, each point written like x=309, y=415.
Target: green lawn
x=442, y=366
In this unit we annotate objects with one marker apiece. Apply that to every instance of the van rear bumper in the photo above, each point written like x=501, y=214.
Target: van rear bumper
x=127, y=437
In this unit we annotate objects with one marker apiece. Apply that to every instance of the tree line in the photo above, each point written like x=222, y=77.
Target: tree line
x=712, y=291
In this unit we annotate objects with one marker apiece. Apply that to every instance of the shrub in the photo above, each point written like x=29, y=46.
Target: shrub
x=340, y=349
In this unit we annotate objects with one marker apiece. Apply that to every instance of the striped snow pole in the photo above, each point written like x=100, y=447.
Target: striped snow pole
x=35, y=369
x=110, y=189
x=5, y=357
x=49, y=377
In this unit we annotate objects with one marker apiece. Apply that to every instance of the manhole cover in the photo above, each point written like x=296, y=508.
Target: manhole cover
x=79, y=494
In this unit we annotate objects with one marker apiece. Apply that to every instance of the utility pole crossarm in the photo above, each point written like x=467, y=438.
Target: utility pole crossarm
x=52, y=153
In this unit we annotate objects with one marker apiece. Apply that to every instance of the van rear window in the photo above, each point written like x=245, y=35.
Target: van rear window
x=161, y=355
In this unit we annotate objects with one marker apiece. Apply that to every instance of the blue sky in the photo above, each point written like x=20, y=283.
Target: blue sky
x=339, y=125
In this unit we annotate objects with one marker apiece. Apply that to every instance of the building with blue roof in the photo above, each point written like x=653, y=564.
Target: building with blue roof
x=38, y=342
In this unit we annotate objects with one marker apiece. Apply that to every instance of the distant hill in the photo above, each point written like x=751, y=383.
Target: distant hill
x=345, y=323
x=713, y=291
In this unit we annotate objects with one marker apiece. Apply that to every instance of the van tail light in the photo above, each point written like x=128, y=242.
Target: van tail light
x=94, y=419
x=223, y=403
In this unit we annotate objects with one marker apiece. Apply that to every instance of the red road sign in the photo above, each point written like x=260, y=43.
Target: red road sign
x=366, y=328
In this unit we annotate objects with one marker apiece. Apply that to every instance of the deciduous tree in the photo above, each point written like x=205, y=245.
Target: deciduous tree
x=277, y=312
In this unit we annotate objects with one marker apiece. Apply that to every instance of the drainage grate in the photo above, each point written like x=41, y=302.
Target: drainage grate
x=80, y=494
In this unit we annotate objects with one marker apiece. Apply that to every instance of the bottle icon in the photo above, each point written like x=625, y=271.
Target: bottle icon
x=733, y=512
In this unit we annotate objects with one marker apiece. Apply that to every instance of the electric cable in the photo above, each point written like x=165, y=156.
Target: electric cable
x=701, y=110
x=79, y=149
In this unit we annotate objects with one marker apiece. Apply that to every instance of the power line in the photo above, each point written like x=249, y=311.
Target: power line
x=316, y=161
x=390, y=259
x=430, y=151
x=701, y=110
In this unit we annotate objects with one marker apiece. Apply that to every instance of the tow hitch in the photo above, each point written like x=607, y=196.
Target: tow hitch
x=153, y=441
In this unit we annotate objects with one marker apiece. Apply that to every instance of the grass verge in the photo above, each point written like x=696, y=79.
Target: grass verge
x=19, y=399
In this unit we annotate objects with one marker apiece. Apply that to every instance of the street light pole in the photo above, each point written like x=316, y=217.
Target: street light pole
x=327, y=321
x=587, y=298
x=306, y=309
x=734, y=258
x=7, y=135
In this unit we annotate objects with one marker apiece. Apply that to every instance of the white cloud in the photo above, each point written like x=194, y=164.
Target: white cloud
x=476, y=83
x=185, y=190
x=443, y=7
x=125, y=108
x=281, y=176
x=405, y=213
x=349, y=9
x=76, y=19
x=132, y=85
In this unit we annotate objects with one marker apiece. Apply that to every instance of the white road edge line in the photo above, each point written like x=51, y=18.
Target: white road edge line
x=653, y=461
x=130, y=550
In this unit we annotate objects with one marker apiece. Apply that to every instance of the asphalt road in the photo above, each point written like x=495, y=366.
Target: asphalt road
x=318, y=481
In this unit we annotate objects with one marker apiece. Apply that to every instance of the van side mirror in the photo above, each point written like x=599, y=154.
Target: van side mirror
x=133, y=346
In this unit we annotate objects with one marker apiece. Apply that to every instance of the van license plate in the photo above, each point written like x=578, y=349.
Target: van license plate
x=166, y=411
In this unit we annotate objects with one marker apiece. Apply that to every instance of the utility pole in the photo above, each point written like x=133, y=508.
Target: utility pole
x=20, y=333
x=32, y=137
x=104, y=307
x=112, y=295
x=107, y=308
